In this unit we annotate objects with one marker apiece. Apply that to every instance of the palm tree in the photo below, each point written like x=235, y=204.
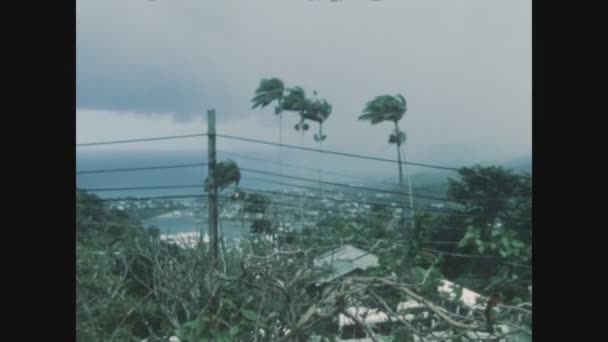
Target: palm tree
x=296, y=101
x=391, y=108
x=226, y=173
x=272, y=90
x=258, y=204
x=319, y=111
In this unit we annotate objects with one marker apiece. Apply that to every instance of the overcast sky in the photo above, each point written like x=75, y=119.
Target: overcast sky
x=153, y=68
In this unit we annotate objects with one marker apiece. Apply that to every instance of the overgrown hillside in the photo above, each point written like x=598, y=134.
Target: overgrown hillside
x=131, y=285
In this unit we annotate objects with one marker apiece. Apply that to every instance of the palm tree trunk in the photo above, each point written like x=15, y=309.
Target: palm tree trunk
x=302, y=201
x=397, y=131
x=281, y=143
x=320, y=163
x=401, y=184
x=409, y=185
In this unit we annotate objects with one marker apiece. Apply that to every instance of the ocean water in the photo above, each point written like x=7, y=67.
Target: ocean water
x=87, y=160
x=143, y=178
x=160, y=177
x=185, y=224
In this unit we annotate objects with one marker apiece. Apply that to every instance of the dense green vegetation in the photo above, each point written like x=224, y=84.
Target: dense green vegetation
x=131, y=285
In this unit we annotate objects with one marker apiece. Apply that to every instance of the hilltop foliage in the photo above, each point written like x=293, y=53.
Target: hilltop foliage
x=132, y=285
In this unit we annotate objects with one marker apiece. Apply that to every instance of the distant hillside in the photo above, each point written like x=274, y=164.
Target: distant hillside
x=436, y=182
x=340, y=170
x=520, y=164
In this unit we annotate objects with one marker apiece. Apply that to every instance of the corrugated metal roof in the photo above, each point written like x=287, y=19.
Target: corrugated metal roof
x=346, y=259
x=344, y=252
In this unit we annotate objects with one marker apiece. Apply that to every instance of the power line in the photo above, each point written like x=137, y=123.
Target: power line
x=140, y=140
x=334, y=238
x=427, y=209
x=248, y=189
x=404, y=242
x=346, y=185
x=193, y=196
x=329, y=237
x=241, y=188
x=329, y=199
x=175, y=166
x=269, y=192
x=291, y=185
x=321, y=237
x=144, y=188
x=286, y=234
x=333, y=173
x=444, y=199
x=302, y=167
x=290, y=205
x=148, y=198
x=383, y=202
x=290, y=234
x=316, y=208
x=388, y=203
x=345, y=154
x=472, y=256
x=266, y=173
x=129, y=169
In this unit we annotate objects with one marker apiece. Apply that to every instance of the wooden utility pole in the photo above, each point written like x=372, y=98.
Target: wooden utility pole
x=212, y=203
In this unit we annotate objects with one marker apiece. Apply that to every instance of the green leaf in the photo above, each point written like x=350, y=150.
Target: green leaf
x=234, y=330
x=189, y=325
x=471, y=233
x=517, y=244
x=220, y=337
x=249, y=314
x=228, y=303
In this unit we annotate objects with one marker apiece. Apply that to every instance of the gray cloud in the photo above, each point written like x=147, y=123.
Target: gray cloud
x=464, y=66
x=147, y=57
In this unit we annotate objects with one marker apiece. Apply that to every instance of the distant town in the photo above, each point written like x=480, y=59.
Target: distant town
x=288, y=206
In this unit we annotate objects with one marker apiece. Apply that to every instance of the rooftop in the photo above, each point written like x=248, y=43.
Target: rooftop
x=344, y=260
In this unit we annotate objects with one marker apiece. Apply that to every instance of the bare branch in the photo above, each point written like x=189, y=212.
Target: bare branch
x=362, y=324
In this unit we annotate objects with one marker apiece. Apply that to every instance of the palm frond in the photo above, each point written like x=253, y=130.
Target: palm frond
x=372, y=117
x=384, y=108
x=226, y=173
x=295, y=100
x=269, y=90
x=402, y=100
x=318, y=111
